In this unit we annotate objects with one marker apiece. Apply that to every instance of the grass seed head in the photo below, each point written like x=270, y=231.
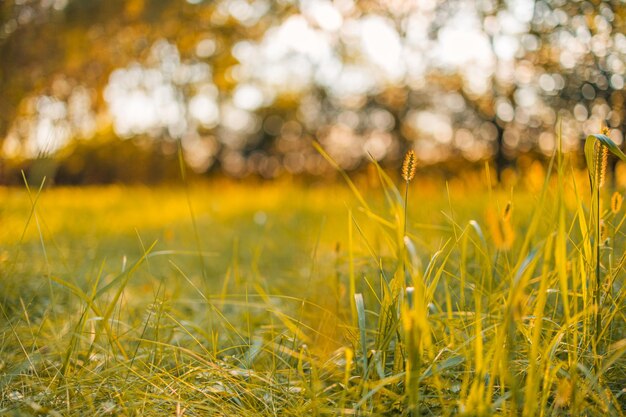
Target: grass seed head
x=506, y=214
x=601, y=162
x=563, y=393
x=605, y=131
x=500, y=227
x=409, y=166
x=604, y=232
x=616, y=202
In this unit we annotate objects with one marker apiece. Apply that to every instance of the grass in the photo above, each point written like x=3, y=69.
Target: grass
x=280, y=299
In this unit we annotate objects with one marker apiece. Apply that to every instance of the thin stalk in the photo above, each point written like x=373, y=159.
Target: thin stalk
x=598, y=324
x=409, y=167
x=406, y=205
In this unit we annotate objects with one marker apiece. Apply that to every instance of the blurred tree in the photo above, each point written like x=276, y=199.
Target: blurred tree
x=580, y=55
x=246, y=84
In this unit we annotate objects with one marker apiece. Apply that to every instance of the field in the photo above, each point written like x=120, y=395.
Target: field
x=287, y=298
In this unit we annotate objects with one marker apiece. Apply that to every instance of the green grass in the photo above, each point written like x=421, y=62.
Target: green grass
x=281, y=299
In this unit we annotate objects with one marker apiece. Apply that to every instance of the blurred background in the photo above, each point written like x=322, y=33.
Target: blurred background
x=105, y=91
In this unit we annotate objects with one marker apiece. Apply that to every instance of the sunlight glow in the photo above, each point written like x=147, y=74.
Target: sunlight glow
x=148, y=99
x=204, y=108
x=382, y=46
x=323, y=13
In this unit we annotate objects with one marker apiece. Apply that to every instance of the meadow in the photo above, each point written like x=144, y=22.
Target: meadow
x=380, y=295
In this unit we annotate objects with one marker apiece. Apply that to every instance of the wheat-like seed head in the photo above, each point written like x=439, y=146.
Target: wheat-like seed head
x=501, y=229
x=563, y=394
x=506, y=214
x=409, y=166
x=601, y=162
x=605, y=131
x=616, y=202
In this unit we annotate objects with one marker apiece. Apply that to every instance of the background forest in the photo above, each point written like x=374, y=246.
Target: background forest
x=244, y=86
